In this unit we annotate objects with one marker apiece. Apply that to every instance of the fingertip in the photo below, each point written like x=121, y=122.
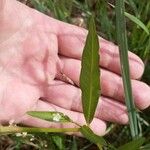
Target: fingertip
x=136, y=66
x=124, y=119
x=141, y=92
x=98, y=126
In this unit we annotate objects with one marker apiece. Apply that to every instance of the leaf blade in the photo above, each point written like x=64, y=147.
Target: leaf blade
x=50, y=116
x=138, y=22
x=134, y=145
x=91, y=136
x=90, y=74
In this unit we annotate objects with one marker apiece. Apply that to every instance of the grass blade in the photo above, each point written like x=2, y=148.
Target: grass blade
x=137, y=21
x=59, y=141
x=123, y=51
x=133, y=145
x=90, y=74
x=50, y=116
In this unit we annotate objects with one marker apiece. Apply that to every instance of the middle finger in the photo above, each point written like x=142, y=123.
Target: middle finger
x=111, y=83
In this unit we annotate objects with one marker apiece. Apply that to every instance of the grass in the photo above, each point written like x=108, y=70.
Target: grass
x=139, y=43
x=123, y=51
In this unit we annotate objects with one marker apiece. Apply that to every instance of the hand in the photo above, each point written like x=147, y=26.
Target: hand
x=30, y=71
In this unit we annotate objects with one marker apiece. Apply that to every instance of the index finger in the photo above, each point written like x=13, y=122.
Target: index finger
x=71, y=40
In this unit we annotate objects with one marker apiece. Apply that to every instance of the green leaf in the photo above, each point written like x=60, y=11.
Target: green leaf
x=59, y=141
x=133, y=145
x=91, y=136
x=138, y=22
x=145, y=147
x=62, y=9
x=135, y=20
x=50, y=116
x=74, y=145
x=90, y=74
x=134, y=7
x=38, y=5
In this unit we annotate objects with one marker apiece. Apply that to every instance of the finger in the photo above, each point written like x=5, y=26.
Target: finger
x=97, y=125
x=111, y=83
x=71, y=41
x=69, y=97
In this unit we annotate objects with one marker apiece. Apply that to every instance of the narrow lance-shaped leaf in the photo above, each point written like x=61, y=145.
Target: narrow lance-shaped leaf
x=133, y=145
x=91, y=136
x=50, y=116
x=123, y=51
x=90, y=74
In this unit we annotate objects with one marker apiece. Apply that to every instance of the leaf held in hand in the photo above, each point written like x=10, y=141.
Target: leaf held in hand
x=90, y=74
x=50, y=116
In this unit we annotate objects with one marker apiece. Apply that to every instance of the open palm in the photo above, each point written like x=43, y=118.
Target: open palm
x=38, y=53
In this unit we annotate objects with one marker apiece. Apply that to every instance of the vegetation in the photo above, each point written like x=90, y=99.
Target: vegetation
x=78, y=12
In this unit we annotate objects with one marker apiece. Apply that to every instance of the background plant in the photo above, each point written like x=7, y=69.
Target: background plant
x=105, y=20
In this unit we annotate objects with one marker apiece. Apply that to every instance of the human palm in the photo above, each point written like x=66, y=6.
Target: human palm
x=40, y=55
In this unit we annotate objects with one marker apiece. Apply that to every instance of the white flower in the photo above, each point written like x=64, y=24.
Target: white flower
x=18, y=134
x=56, y=117
x=23, y=134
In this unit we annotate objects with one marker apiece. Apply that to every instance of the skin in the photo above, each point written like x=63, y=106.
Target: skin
x=35, y=50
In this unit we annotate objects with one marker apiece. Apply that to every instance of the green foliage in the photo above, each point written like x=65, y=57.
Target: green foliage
x=74, y=144
x=133, y=145
x=59, y=141
x=88, y=133
x=50, y=116
x=139, y=43
x=145, y=147
x=123, y=51
x=61, y=9
x=90, y=74
x=137, y=21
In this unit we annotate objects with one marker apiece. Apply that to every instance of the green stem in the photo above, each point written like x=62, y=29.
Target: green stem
x=99, y=146
x=15, y=129
x=123, y=51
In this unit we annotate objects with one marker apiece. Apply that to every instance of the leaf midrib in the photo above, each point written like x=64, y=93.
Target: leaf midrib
x=91, y=82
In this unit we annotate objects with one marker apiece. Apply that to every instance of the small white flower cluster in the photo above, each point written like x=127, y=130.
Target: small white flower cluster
x=32, y=138
x=23, y=134
x=56, y=117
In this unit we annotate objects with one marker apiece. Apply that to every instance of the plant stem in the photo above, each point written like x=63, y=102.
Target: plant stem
x=99, y=146
x=15, y=129
x=123, y=51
